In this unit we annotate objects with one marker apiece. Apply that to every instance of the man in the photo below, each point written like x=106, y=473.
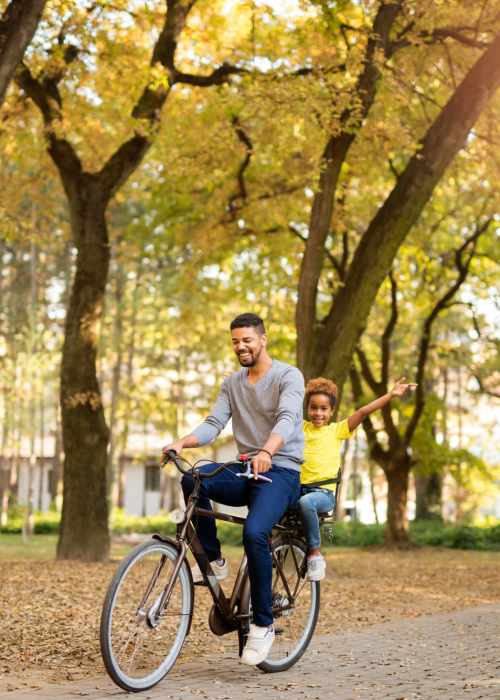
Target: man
x=264, y=400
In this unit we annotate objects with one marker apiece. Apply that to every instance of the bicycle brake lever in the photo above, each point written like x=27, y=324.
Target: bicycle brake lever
x=248, y=474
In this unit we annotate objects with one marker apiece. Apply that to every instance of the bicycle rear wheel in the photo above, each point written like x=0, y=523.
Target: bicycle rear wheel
x=138, y=645
x=295, y=605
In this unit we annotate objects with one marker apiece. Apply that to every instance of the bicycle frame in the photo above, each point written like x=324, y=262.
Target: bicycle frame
x=187, y=539
x=228, y=619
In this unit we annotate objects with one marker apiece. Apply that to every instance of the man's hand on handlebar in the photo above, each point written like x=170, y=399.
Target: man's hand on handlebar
x=177, y=446
x=261, y=463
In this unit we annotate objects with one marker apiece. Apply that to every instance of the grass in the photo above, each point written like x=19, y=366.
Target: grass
x=41, y=547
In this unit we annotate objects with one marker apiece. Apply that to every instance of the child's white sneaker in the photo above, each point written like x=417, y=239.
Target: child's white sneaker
x=220, y=567
x=316, y=567
x=258, y=646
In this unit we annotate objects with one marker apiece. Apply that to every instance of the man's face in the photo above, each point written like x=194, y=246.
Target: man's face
x=247, y=344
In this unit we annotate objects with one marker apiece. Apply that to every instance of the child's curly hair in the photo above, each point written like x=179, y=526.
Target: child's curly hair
x=320, y=385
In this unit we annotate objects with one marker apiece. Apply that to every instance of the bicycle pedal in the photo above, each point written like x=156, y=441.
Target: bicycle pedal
x=199, y=583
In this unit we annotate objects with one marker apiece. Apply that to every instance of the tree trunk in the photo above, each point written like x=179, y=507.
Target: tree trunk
x=333, y=157
x=396, y=529
x=17, y=27
x=371, y=476
x=5, y=463
x=428, y=491
x=84, y=525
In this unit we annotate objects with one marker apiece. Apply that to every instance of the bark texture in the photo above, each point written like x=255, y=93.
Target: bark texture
x=17, y=27
x=396, y=532
x=84, y=527
x=429, y=488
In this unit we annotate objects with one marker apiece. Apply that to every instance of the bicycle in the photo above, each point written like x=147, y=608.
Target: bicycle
x=149, y=604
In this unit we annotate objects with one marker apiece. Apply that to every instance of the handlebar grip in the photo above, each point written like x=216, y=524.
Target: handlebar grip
x=173, y=456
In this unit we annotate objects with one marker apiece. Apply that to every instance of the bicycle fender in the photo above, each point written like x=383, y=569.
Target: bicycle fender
x=166, y=539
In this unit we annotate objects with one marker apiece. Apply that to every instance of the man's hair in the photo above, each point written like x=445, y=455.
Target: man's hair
x=248, y=321
x=320, y=385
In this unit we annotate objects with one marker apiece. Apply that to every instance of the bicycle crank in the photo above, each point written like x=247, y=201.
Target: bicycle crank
x=218, y=624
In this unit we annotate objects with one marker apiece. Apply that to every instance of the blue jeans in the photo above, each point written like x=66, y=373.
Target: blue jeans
x=266, y=504
x=311, y=503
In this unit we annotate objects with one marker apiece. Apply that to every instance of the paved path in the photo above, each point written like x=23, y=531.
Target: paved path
x=435, y=657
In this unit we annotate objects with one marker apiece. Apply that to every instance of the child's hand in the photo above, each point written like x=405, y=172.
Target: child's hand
x=400, y=388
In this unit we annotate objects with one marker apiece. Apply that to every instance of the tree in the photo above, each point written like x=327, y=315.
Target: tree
x=84, y=528
x=395, y=455
x=17, y=27
x=326, y=345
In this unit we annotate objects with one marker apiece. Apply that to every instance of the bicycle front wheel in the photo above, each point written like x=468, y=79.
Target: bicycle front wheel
x=295, y=605
x=139, y=642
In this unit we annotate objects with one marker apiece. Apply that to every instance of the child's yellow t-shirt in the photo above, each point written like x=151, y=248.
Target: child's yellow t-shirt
x=322, y=451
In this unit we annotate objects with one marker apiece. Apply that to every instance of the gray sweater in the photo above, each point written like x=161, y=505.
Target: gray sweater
x=273, y=405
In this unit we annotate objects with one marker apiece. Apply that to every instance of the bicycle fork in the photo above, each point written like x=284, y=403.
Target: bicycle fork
x=154, y=612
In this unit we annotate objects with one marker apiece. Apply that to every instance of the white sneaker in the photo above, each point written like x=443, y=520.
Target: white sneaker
x=316, y=568
x=258, y=646
x=220, y=567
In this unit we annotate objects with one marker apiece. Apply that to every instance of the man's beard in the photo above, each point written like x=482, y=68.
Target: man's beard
x=250, y=362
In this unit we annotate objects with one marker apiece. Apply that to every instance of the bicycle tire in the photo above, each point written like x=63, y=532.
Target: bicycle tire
x=284, y=655
x=161, y=638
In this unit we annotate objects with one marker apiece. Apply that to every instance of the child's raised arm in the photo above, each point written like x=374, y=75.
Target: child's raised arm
x=399, y=389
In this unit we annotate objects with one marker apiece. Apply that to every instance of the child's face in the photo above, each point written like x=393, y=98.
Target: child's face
x=319, y=410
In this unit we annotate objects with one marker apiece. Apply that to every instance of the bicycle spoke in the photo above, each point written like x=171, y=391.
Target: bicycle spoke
x=295, y=606
x=282, y=575
x=128, y=666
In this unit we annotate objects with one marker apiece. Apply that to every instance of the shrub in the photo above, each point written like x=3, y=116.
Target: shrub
x=45, y=523
x=432, y=533
x=353, y=534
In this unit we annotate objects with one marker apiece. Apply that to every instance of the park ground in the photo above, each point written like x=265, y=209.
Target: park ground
x=50, y=610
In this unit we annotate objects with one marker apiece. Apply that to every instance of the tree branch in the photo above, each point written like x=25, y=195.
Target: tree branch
x=378, y=389
x=218, y=76
x=483, y=389
x=45, y=95
x=344, y=259
x=440, y=34
x=388, y=331
x=377, y=452
x=333, y=260
x=17, y=28
x=241, y=193
x=463, y=258
x=366, y=371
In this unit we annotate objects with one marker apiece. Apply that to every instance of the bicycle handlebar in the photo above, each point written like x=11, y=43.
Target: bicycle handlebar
x=173, y=456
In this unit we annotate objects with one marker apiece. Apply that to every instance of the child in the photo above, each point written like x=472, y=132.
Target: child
x=322, y=458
